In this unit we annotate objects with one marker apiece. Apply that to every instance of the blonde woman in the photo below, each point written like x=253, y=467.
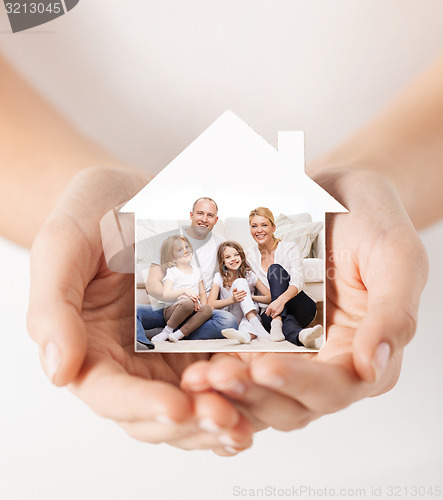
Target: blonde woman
x=278, y=264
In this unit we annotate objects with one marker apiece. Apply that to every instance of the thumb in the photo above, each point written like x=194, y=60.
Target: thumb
x=55, y=302
x=390, y=322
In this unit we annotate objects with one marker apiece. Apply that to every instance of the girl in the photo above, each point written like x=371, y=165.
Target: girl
x=235, y=283
x=183, y=284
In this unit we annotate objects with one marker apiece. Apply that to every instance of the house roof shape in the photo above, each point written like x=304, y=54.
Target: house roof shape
x=235, y=166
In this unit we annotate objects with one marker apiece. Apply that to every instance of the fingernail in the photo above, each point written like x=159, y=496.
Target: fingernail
x=230, y=450
x=208, y=425
x=164, y=419
x=381, y=358
x=276, y=382
x=227, y=440
x=52, y=360
x=234, y=387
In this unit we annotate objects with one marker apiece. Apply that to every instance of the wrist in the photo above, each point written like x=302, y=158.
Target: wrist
x=342, y=176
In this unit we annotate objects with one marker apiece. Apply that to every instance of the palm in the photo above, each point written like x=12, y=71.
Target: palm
x=376, y=269
x=86, y=312
x=108, y=314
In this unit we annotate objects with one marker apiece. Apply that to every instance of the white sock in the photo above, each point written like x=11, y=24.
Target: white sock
x=308, y=336
x=319, y=342
x=277, y=330
x=163, y=335
x=242, y=336
x=258, y=328
x=175, y=336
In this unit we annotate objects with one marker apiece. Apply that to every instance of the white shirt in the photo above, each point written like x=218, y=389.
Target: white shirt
x=183, y=280
x=205, y=255
x=287, y=254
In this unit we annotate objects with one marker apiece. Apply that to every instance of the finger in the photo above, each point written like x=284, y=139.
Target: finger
x=56, y=295
x=113, y=393
x=230, y=376
x=220, y=425
x=226, y=444
x=215, y=423
x=395, y=278
x=321, y=387
x=194, y=378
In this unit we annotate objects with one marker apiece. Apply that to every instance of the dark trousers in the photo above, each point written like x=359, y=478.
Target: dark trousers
x=298, y=312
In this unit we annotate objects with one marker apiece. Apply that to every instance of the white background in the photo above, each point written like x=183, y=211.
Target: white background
x=145, y=78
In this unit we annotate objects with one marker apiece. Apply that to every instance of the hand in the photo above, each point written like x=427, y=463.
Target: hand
x=238, y=295
x=377, y=269
x=197, y=304
x=275, y=308
x=81, y=314
x=190, y=294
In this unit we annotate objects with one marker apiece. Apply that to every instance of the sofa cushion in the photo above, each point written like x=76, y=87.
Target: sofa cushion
x=301, y=233
x=313, y=270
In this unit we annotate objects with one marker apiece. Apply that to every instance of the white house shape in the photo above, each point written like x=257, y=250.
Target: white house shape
x=232, y=164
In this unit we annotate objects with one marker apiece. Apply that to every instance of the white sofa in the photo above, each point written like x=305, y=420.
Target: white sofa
x=237, y=229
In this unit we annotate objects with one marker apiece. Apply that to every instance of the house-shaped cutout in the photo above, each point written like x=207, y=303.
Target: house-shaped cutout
x=235, y=166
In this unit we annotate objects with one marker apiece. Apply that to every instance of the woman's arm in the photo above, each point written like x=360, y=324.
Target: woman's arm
x=404, y=144
x=276, y=307
x=40, y=152
x=265, y=297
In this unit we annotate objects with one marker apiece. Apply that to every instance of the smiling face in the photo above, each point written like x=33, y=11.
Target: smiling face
x=262, y=230
x=204, y=217
x=182, y=252
x=232, y=258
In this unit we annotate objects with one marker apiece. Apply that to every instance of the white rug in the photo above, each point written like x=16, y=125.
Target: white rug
x=226, y=345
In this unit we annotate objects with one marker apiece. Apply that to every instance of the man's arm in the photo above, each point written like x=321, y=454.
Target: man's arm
x=154, y=285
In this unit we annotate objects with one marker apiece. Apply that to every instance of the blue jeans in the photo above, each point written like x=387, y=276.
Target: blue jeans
x=149, y=317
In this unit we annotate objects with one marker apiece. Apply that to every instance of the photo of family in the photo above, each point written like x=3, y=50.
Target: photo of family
x=212, y=285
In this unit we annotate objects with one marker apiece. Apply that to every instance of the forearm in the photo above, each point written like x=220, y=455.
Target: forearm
x=403, y=144
x=170, y=295
x=40, y=152
x=221, y=303
x=262, y=299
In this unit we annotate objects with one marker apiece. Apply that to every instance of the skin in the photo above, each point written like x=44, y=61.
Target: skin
x=203, y=219
x=262, y=230
x=183, y=257
x=375, y=262
x=82, y=317
x=84, y=327
x=232, y=261
x=363, y=248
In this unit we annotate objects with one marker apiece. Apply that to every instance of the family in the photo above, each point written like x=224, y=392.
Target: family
x=210, y=288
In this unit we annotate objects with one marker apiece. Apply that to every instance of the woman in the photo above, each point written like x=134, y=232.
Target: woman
x=278, y=264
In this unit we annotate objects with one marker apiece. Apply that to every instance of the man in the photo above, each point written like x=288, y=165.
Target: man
x=205, y=245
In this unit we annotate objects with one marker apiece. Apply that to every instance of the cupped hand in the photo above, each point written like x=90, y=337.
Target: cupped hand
x=81, y=314
x=376, y=269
